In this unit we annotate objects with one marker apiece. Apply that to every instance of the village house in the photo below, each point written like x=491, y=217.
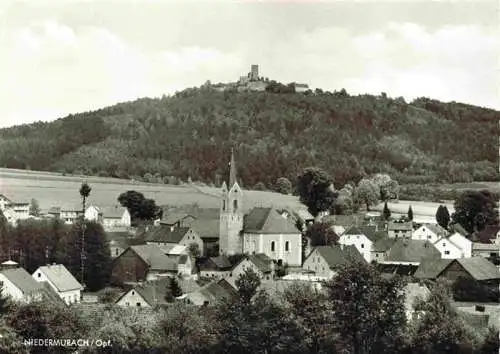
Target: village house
x=153, y=293
x=186, y=263
x=487, y=250
x=429, y=232
x=476, y=268
x=115, y=217
x=177, y=219
x=14, y=210
x=165, y=235
x=20, y=286
x=406, y=251
x=261, y=264
x=380, y=249
x=216, y=267
x=67, y=214
x=61, y=280
x=397, y=229
x=142, y=262
x=93, y=213
x=454, y=246
x=363, y=238
x=211, y=294
x=325, y=260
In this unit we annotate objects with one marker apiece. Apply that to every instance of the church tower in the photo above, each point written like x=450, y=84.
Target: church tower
x=231, y=214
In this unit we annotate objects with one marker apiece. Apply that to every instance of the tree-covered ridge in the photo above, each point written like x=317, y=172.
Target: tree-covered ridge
x=274, y=135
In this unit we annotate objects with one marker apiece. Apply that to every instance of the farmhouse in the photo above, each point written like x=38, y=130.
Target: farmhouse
x=61, y=280
x=211, y=294
x=454, y=246
x=325, y=260
x=14, y=211
x=477, y=268
x=486, y=250
x=261, y=264
x=410, y=252
x=115, y=217
x=140, y=263
x=177, y=219
x=397, y=229
x=165, y=235
x=18, y=284
x=429, y=232
x=363, y=238
x=380, y=249
x=216, y=267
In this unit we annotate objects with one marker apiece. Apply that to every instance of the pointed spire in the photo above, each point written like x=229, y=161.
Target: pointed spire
x=232, y=170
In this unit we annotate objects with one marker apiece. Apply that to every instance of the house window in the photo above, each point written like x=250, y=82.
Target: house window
x=444, y=244
x=133, y=292
x=127, y=304
x=223, y=205
x=116, y=252
x=362, y=245
x=446, y=252
x=138, y=304
x=235, y=205
x=429, y=237
x=39, y=274
x=287, y=246
x=272, y=246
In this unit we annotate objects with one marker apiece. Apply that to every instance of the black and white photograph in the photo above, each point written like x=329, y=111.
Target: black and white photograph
x=249, y=176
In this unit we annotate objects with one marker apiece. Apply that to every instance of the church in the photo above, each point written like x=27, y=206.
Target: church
x=261, y=230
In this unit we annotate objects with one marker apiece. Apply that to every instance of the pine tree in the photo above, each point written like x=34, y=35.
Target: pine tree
x=410, y=214
x=386, y=212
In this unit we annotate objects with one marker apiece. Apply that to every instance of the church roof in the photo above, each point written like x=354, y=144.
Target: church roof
x=267, y=221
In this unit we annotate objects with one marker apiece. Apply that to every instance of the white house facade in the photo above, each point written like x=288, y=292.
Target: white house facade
x=61, y=280
x=355, y=237
x=93, y=213
x=448, y=249
x=18, y=284
x=428, y=233
x=316, y=263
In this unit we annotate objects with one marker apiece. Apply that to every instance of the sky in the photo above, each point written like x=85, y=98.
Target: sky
x=67, y=56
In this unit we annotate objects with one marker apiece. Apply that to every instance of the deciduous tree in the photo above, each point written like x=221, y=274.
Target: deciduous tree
x=367, y=193
x=315, y=191
x=368, y=309
x=476, y=209
x=283, y=185
x=321, y=234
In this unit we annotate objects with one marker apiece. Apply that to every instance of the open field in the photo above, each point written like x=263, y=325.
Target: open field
x=57, y=190
x=54, y=189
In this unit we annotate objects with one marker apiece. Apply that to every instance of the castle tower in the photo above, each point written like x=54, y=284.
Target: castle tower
x=254, y=72
x=231, y=214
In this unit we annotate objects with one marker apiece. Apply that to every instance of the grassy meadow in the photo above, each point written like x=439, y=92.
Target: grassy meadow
x=53, y=189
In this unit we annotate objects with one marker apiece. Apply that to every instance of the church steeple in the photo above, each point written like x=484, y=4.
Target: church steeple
x=232, y=171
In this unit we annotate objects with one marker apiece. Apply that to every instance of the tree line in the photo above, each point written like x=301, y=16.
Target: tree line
x=274, y=135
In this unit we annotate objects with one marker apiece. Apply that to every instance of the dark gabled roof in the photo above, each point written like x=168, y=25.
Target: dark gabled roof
x=478, y=267
x=206, y=228
x=268, y=221
x=405, y=226
x=154, y=257
x=430, y=269
x=343, y=220
x=383, y=245
x=219, y=290
x=408, y=250
x=337, y=255
x=173, y=218
x=165, y=234
x=22, y=280
x=262, y=262
x=219, y=263
x=369, y=231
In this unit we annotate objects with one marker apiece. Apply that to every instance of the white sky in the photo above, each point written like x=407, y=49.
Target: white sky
x=59, y=57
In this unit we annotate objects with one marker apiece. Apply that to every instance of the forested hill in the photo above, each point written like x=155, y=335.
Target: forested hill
x=274, y=135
